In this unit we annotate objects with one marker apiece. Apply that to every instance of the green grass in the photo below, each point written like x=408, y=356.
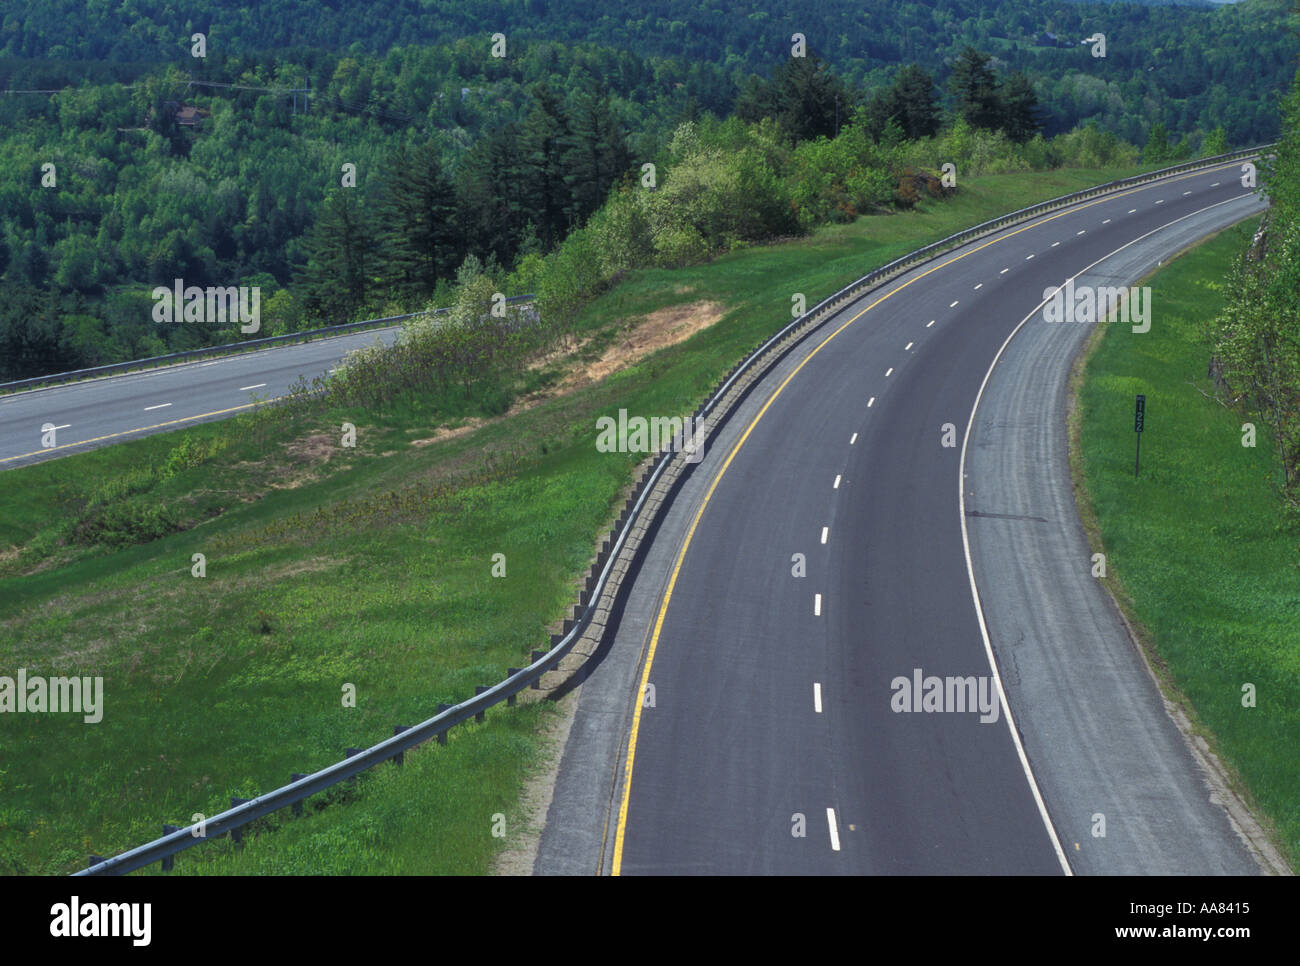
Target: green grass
x=368, y=566
x=1196, y=547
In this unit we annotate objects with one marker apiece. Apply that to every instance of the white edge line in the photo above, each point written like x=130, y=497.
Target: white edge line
x=835, y=832
x=965, y=539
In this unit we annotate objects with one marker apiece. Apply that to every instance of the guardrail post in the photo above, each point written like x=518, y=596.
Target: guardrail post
x=482, y=715
x=296, y=776
x=169, y=861
x=511, y=672
x=237, y=833
x=399, y=759
x=442, y=735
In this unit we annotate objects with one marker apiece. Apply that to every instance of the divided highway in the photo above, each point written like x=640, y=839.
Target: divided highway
x=857, y=523
x=829, y=548
x=112, y=409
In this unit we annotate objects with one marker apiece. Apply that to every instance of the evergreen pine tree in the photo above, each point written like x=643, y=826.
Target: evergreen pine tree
x=975, y=89
x=417, y=228
x=1020, y=109
x=337, y=280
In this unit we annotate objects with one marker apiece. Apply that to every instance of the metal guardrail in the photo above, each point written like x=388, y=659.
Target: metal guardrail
x=230, y=349
x=242, y=812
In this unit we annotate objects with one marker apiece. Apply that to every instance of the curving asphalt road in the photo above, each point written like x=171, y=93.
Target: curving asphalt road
x=771, y=743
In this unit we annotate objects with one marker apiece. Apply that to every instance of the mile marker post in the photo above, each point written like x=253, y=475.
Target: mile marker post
x=1139, y=416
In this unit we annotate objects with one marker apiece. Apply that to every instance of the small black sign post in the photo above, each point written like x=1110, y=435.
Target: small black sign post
x=1139, y=415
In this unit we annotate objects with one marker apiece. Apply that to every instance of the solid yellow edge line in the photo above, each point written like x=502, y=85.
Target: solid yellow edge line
x=681, y=555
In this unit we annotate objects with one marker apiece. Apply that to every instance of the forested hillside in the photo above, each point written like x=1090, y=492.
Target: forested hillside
x=1185, y=66
x=358, y=178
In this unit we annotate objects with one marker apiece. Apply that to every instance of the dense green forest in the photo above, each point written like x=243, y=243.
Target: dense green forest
x=350, y=182
x=1185, y=66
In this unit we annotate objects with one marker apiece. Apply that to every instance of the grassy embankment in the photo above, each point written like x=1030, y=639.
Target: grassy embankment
x=368, y=566
x=1196, y=550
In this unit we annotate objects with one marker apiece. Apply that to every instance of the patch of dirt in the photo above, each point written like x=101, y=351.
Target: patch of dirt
x=658, y=330
x=305, y=454
x=316, y=448
x=446, y=433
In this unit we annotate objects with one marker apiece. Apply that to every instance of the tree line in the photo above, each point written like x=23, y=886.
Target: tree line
x=503, y=166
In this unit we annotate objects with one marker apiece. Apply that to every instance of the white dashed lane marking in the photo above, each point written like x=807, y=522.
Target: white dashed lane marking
x=159, y=406
x=835, y=832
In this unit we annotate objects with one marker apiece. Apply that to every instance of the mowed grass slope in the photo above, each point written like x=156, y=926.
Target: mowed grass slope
x=371, y=566
x=1196, y=548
